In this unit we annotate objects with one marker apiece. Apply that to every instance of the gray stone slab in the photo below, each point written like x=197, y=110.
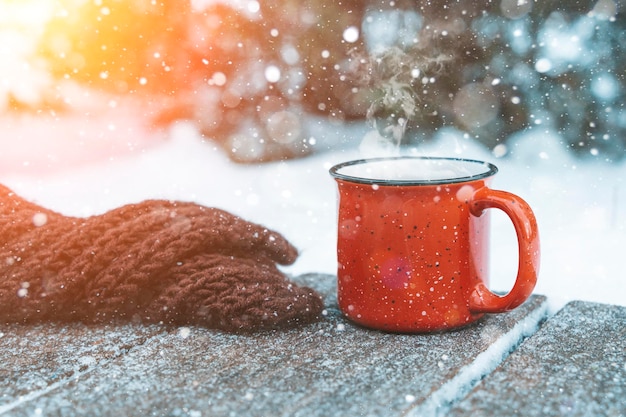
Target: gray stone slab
x=37, y=359
x=575, y=365
x=328, y=368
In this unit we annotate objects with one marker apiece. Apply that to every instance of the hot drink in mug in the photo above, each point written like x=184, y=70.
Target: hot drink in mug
x=413, y=243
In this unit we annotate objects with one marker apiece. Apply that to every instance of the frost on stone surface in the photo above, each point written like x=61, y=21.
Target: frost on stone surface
x=330, y=367
x=38, y=360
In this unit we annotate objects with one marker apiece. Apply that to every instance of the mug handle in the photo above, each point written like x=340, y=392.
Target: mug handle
x=482, y=300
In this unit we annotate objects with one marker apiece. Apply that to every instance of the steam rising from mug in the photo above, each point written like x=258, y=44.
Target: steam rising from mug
x=398, y=78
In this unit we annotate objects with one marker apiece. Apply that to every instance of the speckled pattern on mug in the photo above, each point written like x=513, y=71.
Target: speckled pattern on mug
x=414, y=256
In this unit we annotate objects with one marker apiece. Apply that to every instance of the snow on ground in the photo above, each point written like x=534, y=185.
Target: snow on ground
x=580, y=206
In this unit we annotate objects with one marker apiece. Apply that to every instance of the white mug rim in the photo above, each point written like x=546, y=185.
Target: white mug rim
x=490, y=170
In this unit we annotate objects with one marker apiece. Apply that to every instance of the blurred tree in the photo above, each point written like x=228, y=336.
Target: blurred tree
x=521, y=65
x=125, y=46
x=249, y=77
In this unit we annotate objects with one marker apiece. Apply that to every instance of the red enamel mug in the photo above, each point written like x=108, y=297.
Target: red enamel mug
x=413, y=243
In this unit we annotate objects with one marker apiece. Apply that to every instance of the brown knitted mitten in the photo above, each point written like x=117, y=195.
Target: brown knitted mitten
x=155, y=261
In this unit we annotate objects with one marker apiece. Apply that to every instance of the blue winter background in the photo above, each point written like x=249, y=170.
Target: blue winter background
x=104, y=154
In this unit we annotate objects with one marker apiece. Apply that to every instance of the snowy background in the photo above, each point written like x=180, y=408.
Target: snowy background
x=104, y=154
x=580, y=207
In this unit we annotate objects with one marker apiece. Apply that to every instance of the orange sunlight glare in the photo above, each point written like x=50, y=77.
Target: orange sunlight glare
x=26, y=13
x=22, y=23
x=50, y=123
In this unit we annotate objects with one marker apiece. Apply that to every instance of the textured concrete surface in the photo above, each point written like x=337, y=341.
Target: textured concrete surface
x=38, y=359
x=575, y=365
x=329, y=368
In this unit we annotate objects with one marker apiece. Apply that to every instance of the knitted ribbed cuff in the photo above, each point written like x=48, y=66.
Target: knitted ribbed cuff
x=155, y=261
